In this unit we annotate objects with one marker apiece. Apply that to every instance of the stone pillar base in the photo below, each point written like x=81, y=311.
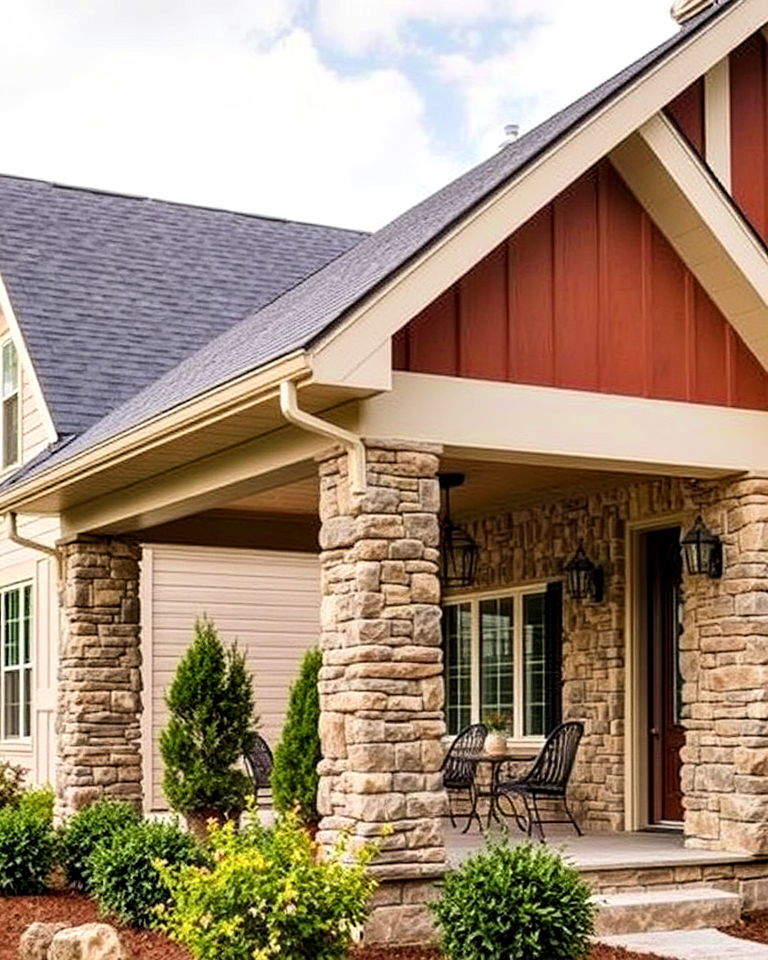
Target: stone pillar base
x=399, y=915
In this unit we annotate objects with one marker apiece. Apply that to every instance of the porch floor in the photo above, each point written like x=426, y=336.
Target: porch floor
x=602, y=851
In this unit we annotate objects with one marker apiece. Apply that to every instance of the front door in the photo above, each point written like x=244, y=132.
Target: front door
x=666, y=734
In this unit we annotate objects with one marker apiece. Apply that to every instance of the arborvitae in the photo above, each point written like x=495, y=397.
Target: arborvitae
x=211, y=725
x=294, y=777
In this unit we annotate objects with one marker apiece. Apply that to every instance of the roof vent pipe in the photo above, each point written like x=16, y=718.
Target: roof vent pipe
x=684, y=10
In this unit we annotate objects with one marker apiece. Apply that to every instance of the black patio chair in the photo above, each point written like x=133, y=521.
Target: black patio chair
x=547, y=779
x=460, y=766
x=258, y=764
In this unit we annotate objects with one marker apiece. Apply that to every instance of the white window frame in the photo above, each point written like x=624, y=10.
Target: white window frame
x=518, y=651
x=22, y=666
x=9, y=467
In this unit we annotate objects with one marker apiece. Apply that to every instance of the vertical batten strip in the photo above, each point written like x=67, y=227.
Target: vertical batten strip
x=717, y=121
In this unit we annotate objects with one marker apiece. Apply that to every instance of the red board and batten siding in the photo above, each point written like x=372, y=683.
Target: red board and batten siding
x=687, y=111
x=749, y=131
x=587, y=295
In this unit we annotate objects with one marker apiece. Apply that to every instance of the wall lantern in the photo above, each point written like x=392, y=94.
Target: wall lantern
x=703, y=551
x=458, y=551
x=584, y=579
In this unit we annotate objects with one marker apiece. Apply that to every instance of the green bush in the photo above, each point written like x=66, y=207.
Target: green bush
x=267, y=895
x=212, y=724
x=84, y=831
x=515, y=903
x=27, y=852
x=124, y=875
x=38, y=802
x=11, y=783
x=294, y=777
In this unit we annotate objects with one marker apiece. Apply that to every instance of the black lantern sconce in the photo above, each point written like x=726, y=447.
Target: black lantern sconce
x=703, y=551
x=458, y=551
x=584, y=579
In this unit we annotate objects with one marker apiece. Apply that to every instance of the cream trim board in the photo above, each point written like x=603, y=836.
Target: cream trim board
x=636, y=675
x=25, y=361
x=479, y=232
x=690, y=208
x=552, y=426
x=717, y=121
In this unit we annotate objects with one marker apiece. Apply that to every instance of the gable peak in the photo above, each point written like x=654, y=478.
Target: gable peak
x=683, y=10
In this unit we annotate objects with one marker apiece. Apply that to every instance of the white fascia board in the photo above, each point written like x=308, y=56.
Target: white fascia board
x=573, y=428
x=703, y=225
x=415, y=286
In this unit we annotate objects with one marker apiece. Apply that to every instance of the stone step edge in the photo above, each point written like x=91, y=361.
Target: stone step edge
x=668, y=895
x=657, y=911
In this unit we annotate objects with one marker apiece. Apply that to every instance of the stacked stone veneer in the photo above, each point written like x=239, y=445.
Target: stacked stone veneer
x=99, y=691
x=381, y=687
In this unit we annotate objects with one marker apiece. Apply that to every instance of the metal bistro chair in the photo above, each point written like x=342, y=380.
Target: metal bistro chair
x=258, y=764
x=460, y=766
x=548, y=777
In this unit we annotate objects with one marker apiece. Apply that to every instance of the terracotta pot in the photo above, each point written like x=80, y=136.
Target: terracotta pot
x=198, y=821
x=496, y=743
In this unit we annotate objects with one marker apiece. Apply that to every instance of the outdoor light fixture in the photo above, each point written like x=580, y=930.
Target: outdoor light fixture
x=584, y=579
x=458, y=551
x=703, y=551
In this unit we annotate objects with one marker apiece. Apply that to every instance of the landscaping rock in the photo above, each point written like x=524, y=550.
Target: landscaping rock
x=92, y=941
x=36, y=940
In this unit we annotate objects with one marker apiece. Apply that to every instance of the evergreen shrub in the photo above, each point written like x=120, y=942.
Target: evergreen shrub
x=27, y=852
x=85, y=830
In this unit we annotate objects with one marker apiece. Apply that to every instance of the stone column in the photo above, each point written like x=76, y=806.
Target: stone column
x=725, y=668
x=381, y=685
x=99, y=690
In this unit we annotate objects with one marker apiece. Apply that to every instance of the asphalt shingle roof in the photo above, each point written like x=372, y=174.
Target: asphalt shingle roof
x=111, y=292
x=307, y=310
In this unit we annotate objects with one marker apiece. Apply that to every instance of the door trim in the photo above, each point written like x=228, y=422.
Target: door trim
x=636, y=675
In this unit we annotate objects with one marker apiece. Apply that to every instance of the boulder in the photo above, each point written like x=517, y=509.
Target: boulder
x=36, y=940
x=92, y=941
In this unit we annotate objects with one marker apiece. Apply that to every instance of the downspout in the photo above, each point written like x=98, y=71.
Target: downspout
x=14, y=537
x=354, y=446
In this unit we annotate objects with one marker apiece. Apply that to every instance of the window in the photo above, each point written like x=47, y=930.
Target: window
x=16, y=666
x=9, y=384
x=503, y=656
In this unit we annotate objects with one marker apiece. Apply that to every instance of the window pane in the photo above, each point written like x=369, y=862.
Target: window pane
x=10, y=369
x=496, y=656
x=10, y=430
x=27, y=626
x=535, y=668
x=11, y=624
x=11, y=703
x=457, y=641
x=26, y=710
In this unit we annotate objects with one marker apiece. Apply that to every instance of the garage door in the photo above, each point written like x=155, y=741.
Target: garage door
x=268, y=601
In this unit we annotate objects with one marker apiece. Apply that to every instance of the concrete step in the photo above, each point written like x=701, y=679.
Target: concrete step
x=689, y=908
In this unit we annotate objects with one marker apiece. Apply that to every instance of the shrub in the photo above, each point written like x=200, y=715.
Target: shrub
x=211, y=726
x=11, y=783
x=27, y=851
x=515, y=903
x=38, y=802
x=294, y=777
x=84, y=831
x=268, y=895
x=124, y=875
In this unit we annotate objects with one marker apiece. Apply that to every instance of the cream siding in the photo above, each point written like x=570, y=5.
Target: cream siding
x=268, y=601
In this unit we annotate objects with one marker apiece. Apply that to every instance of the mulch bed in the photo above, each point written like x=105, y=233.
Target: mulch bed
x=16, y=913
x=752, y=926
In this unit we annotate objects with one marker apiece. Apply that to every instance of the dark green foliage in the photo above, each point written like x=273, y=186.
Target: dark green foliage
x=84, y=831
x=515, y=903
x=27, y=851
x=124, y=877
x=212, y=724
x=294, y=777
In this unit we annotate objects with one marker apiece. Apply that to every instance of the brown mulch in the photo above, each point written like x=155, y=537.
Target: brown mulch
x=752, y=926
x=16, y=913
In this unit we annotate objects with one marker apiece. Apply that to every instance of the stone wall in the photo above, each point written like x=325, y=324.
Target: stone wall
x=99, y=690
x=381, y=688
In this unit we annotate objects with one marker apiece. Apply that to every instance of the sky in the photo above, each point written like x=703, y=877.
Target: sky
x=335, y=111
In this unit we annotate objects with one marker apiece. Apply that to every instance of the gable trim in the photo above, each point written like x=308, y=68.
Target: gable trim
x=717, y=121
x=415, y=286
x=6, y=308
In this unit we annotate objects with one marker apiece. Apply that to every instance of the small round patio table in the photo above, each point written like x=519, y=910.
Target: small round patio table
x=495, y=761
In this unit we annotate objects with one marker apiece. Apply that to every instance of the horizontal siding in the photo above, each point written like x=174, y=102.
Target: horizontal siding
x=267, y=601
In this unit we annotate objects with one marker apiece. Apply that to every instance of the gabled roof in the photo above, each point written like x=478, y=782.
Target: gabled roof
x=112, y=291
x=307, y=311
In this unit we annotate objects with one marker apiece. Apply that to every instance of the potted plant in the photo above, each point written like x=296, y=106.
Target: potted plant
x=211, y=725
x=498, y=726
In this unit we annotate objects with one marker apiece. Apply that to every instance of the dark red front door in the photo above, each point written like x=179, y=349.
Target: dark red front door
x=666, y=735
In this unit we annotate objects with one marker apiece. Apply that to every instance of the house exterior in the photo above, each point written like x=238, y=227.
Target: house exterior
x=578, y=326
